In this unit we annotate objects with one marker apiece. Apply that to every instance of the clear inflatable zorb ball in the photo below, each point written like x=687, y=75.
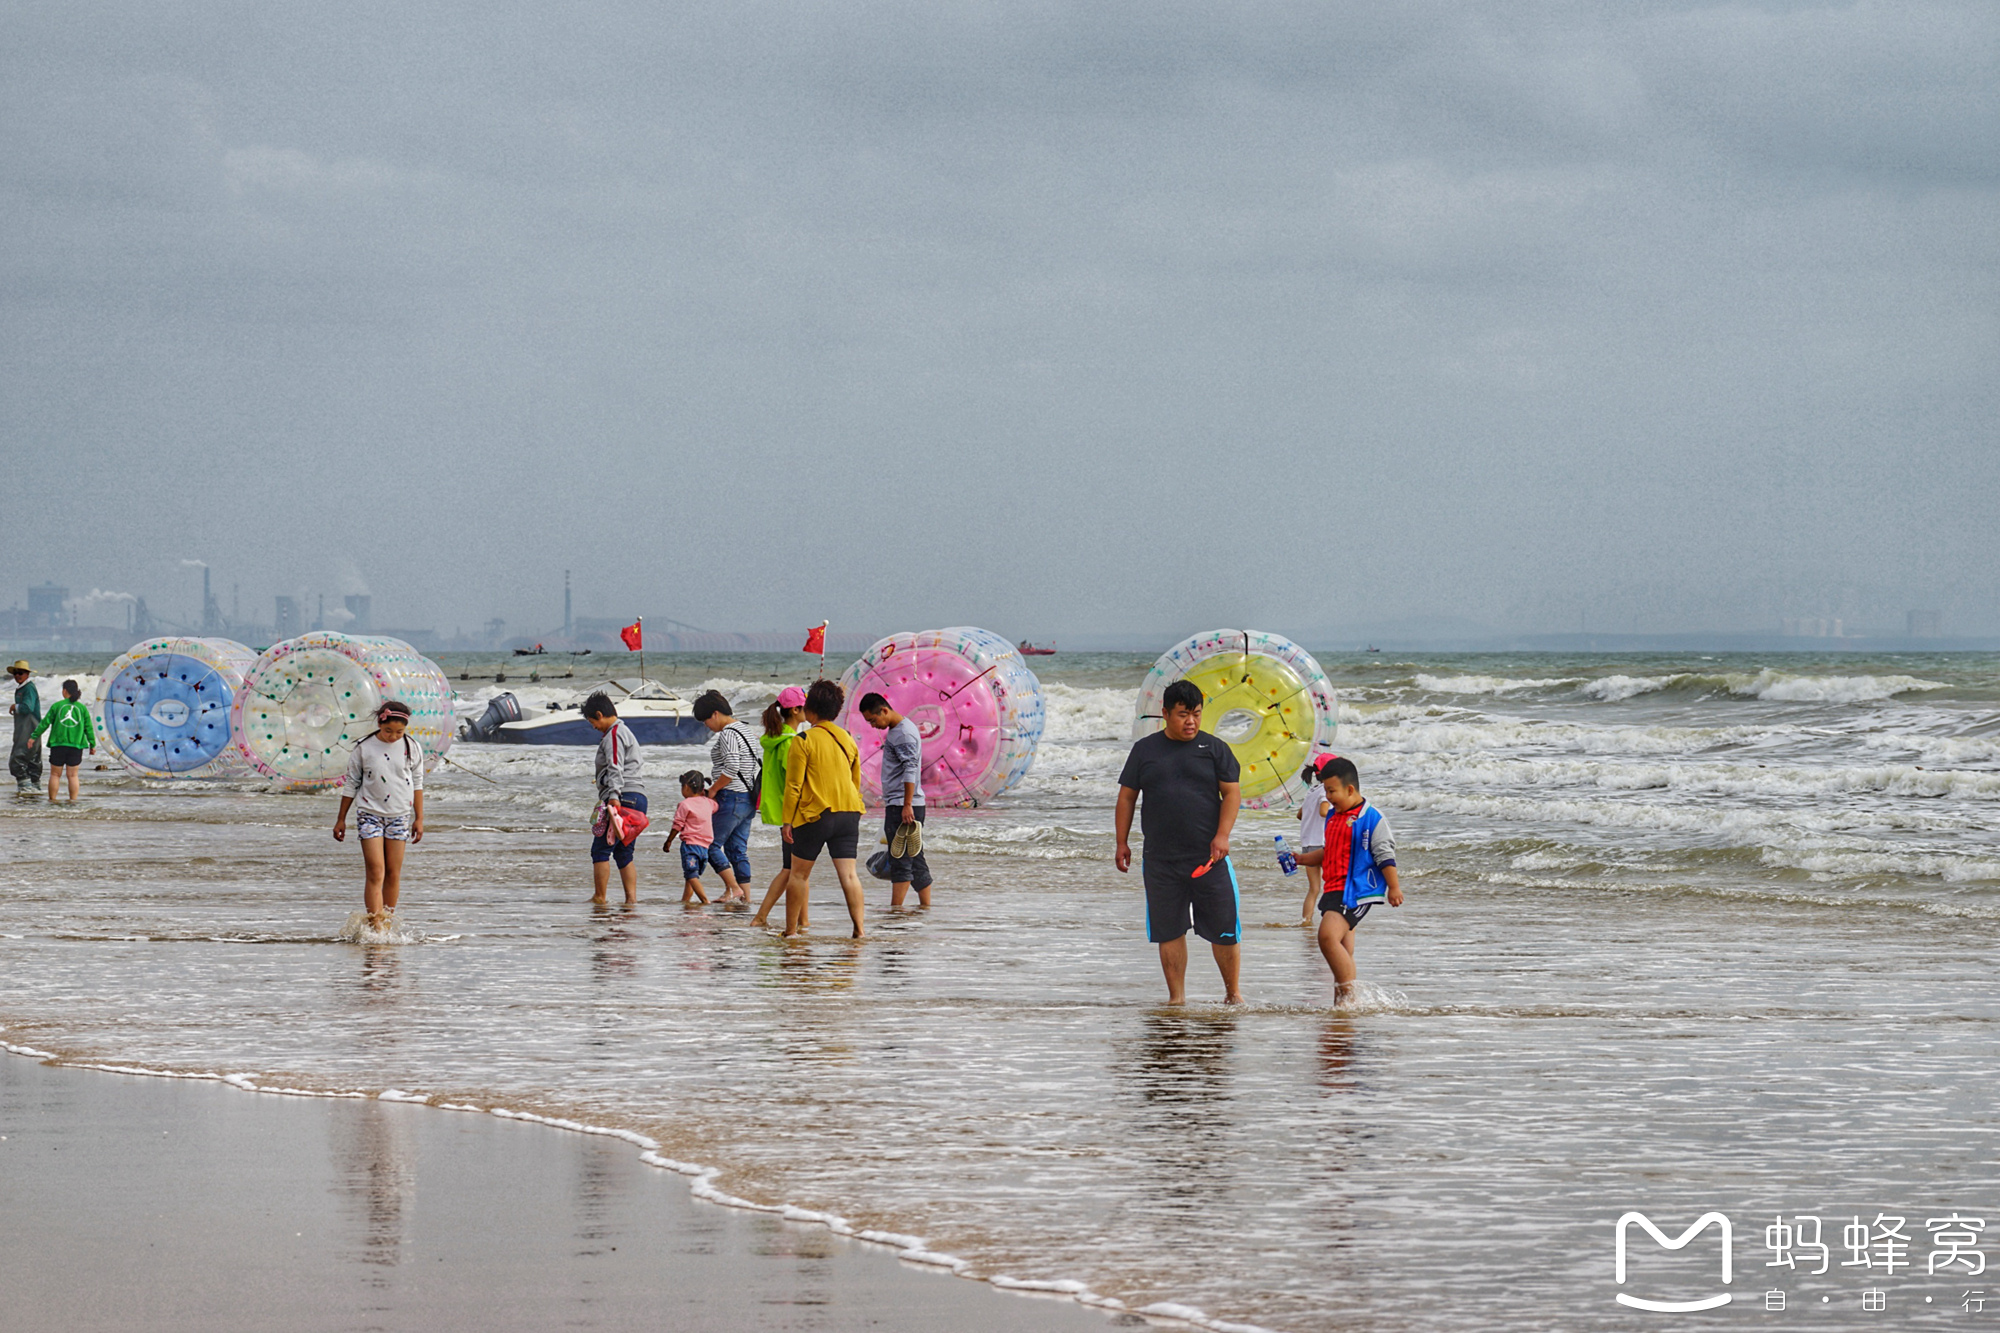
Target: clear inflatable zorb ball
x=307, y=702
x=166, y=707
x=977, y=706
x=1263, y=696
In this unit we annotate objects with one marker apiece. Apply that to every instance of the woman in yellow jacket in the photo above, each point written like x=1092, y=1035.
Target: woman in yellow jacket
x=822, y=810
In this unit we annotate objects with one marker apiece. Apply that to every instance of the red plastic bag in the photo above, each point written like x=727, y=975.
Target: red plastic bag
x=620, y=823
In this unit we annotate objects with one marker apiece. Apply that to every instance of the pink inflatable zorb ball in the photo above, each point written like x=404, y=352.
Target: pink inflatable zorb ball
x=977, y=706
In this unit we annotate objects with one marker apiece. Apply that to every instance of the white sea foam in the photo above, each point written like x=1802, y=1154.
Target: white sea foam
x=1040, y=842
x=1055, y=759
x=1005, y=1283
x=746, y=697
x=1368, y=997
x=1188, y=1314
x=1085, y=713
x=356, y=930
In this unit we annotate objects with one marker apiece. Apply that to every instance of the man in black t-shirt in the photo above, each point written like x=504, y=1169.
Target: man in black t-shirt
x=1189, y=780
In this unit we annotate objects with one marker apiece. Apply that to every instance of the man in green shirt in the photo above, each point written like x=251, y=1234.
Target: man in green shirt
x=25, y=760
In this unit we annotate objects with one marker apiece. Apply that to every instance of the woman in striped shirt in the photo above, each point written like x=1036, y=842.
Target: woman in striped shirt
x=736, y=778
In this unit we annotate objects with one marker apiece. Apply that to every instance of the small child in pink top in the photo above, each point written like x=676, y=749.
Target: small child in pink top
x=694, y=825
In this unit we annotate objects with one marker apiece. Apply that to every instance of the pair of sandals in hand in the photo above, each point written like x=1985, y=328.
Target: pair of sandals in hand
x=905, y=842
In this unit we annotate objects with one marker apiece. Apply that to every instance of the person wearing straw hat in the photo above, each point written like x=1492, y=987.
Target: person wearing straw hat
x=24, y=761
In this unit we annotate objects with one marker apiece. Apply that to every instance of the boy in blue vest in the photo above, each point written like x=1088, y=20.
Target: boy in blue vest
x=1357, y=867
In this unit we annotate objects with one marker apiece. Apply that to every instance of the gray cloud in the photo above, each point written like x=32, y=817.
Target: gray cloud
x=1143, y=316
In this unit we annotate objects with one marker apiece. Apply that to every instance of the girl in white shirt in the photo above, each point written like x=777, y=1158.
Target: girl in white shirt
x=385, y=778
x=1312, y=835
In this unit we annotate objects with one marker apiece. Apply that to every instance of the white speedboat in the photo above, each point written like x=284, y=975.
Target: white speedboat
x=656, y=715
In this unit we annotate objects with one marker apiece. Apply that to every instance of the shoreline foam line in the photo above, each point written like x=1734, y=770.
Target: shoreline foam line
x=910, y=1249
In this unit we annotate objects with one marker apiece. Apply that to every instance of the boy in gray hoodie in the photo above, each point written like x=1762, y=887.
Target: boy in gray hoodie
x=618, y=783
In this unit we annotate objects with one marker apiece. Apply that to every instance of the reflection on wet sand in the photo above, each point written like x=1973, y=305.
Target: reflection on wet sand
x=376, y=1176
x=818, y=980
x=1182, y=1057
x=612, y=937
x=596, y=1195
x=1179, y=1076
x=1337, y=1055
x=381, y=974
x=829, y=968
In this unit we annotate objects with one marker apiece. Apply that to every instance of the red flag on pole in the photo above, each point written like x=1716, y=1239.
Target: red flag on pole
x=634, y=636
x=816, y=639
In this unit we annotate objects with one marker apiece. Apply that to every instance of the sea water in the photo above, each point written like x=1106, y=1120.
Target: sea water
x=1682, y=935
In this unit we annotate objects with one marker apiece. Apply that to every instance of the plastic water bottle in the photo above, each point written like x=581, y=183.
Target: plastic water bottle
x=1287, y=861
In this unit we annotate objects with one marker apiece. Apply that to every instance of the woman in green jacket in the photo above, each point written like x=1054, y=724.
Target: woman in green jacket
x=70, y=734
x=782, y=721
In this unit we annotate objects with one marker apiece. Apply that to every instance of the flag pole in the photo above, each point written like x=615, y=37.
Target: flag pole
x=641, y=622
x=822, y=648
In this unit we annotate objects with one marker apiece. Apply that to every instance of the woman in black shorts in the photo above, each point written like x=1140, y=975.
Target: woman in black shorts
x=823, y=805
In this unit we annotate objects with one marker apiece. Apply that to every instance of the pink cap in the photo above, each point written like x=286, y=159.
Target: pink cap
x=791, y=697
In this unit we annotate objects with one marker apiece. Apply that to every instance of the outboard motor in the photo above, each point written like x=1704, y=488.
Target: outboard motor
x=501, y=709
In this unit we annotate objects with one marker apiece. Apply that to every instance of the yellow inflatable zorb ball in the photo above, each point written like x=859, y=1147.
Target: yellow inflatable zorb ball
x=1264, y=697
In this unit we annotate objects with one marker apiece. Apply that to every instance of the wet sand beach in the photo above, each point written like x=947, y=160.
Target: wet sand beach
x=140, y=1203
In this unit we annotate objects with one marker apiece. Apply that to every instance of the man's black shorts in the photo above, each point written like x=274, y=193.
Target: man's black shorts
x=837, y=833
x=1176, y=900
x=911, y=870
x=66, y=756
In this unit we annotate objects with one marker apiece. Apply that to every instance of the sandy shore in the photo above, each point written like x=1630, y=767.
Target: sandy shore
x=138, y=1203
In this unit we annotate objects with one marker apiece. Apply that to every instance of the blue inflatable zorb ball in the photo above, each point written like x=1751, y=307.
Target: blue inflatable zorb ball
x=166, y=707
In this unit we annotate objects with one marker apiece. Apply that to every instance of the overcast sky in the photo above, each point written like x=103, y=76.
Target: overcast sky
x=1061, y=319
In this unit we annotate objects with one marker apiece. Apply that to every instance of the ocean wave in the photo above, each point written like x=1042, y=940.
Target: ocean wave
x=1851, y=863
x=1350, y=712
x=1488, y=684
x=1755, y=893
x=1936, y=751
x=1756, y=781
x=1469, y=732
x=1791, y=831
x=1768, y=684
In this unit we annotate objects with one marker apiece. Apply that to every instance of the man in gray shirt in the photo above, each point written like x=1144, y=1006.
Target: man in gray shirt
x=902, y=799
